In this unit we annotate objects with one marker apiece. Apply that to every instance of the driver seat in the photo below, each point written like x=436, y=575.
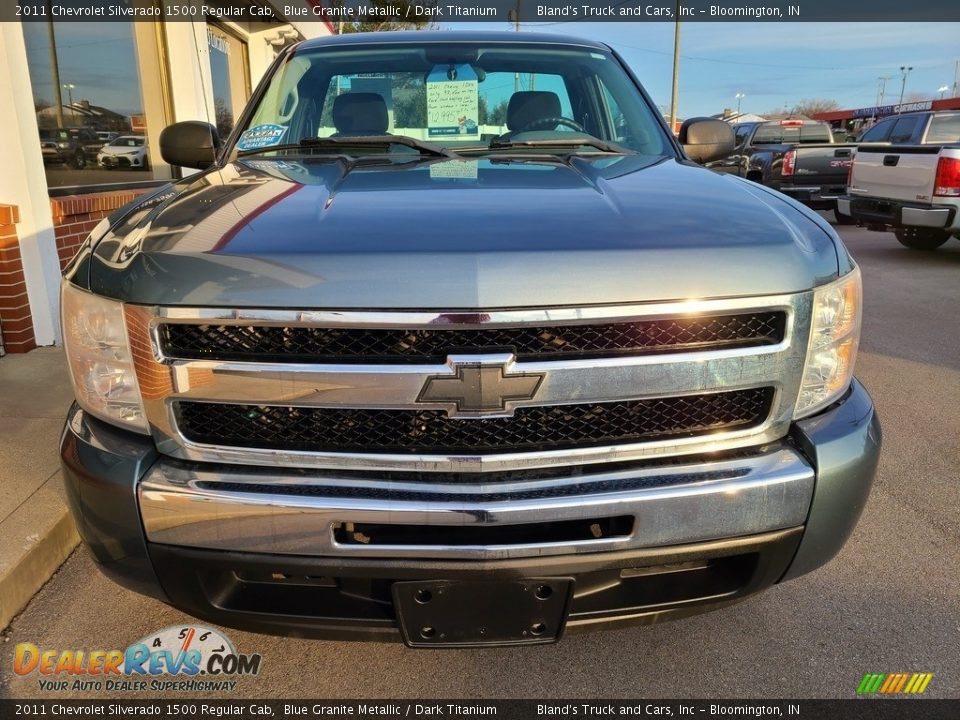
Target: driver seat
x=526, y=106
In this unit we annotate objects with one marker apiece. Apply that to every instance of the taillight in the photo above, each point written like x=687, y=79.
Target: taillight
x=789, y=160
x=947, y=183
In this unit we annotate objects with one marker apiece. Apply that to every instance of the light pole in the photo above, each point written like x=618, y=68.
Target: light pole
x=69, y=87
x=675, y=95
x=942, y=89
x=904, y=71
x=739, y=96
x=881, y=89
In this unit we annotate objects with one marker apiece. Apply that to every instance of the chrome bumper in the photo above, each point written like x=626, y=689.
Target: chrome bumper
x=898, y=213
x=676, y=504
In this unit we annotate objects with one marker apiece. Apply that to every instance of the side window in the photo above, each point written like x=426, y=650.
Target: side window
x=903, y=129
x=879, y=132
x=741, y=133
x=944, y=129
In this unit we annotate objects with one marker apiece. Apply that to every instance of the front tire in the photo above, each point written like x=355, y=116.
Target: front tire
x=79, y=160
x=921, y=238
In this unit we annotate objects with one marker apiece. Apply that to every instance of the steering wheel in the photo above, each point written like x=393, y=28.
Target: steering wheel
x=549, y=123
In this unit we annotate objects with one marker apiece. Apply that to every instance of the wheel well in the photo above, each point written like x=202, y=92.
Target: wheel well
x=755, y=176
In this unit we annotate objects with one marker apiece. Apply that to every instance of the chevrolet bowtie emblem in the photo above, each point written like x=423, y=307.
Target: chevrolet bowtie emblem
x=478, y=389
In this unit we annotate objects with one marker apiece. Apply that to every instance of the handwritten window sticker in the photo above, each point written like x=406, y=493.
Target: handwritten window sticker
x=261, y=136
x=453, y=105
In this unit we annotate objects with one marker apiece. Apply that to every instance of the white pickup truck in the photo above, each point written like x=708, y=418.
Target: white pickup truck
x=914, y=189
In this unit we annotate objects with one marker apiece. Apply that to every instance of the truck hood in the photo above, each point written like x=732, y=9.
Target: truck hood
x=321, y=232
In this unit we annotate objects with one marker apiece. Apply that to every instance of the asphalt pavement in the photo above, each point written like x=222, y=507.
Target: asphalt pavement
x=890, y=602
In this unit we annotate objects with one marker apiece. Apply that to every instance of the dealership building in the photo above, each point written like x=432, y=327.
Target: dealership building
x=75, y=89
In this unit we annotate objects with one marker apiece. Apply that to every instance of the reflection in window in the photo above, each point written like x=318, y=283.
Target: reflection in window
x=220, y=74
x=229, y=76
x=87, y=92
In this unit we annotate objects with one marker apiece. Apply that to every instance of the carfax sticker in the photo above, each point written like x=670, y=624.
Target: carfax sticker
x=261, y=136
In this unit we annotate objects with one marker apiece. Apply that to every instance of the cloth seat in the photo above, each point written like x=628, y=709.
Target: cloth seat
x=360, y=113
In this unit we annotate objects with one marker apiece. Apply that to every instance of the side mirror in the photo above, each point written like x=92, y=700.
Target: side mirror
x=191, y=144
x=706, y=139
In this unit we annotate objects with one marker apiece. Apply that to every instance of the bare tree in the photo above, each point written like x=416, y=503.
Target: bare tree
x=389, y=10
x=224, y=117
x=811, y=106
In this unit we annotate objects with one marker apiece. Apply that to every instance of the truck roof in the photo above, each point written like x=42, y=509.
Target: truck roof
x=448, y=36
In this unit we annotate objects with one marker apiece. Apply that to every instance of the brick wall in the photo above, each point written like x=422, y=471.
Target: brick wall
x=16, y=324
x=74, y=216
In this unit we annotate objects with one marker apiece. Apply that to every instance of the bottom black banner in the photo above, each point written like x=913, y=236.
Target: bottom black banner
x=882, y=709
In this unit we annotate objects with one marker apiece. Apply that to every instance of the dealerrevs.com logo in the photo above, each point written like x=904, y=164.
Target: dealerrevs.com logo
x=175, y=658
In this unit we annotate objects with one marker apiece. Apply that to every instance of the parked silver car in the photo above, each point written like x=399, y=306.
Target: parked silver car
x=126, y=151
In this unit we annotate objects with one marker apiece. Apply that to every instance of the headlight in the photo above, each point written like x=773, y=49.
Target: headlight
x=832, y=350
x=98, y=352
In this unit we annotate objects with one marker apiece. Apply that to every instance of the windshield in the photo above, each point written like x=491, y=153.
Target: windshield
x=776, y=134
x=127, y=142
x=47, y=134
x=459, y=96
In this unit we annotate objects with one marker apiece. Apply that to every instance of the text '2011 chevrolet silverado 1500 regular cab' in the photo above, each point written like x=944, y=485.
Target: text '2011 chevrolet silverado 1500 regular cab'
x=422, y=356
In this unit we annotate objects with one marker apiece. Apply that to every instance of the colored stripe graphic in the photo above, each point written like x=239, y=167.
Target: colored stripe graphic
x=871, y=683
x=894, y=683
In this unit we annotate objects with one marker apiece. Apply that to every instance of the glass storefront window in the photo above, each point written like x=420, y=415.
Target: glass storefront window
x=230, y=76
x=87, y=91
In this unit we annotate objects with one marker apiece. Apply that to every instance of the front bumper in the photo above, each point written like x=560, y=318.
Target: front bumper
x=109, y=162
x=277, y=563
x=883, y=213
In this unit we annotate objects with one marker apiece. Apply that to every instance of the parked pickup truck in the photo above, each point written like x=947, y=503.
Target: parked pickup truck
x=365, y=377
x=913, y=189
x=797, y=157
x=916, y=128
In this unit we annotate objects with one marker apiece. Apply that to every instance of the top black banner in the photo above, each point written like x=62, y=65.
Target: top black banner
x=447, y=11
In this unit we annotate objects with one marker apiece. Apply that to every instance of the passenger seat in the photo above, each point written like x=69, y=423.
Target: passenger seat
x=360, y=113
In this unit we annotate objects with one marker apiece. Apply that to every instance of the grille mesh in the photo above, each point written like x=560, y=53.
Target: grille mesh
x=397, y=345
x=432, y=431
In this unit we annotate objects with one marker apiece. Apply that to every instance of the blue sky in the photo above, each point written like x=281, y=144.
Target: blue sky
x=97, y=58
x=775, y=63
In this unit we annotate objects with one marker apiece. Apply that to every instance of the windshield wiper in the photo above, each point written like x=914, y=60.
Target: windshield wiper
x=593, y=142
x=359, y=141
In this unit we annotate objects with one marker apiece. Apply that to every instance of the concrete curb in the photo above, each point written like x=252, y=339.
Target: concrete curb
x=37, y=532
x=35, y=561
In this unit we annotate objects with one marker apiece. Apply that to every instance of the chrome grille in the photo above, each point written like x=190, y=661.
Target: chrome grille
x=374, y=416
x=433, y=431
x=301, y=344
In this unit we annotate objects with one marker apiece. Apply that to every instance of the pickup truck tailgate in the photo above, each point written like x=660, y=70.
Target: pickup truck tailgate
x=895, y=172
x=825, y=164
